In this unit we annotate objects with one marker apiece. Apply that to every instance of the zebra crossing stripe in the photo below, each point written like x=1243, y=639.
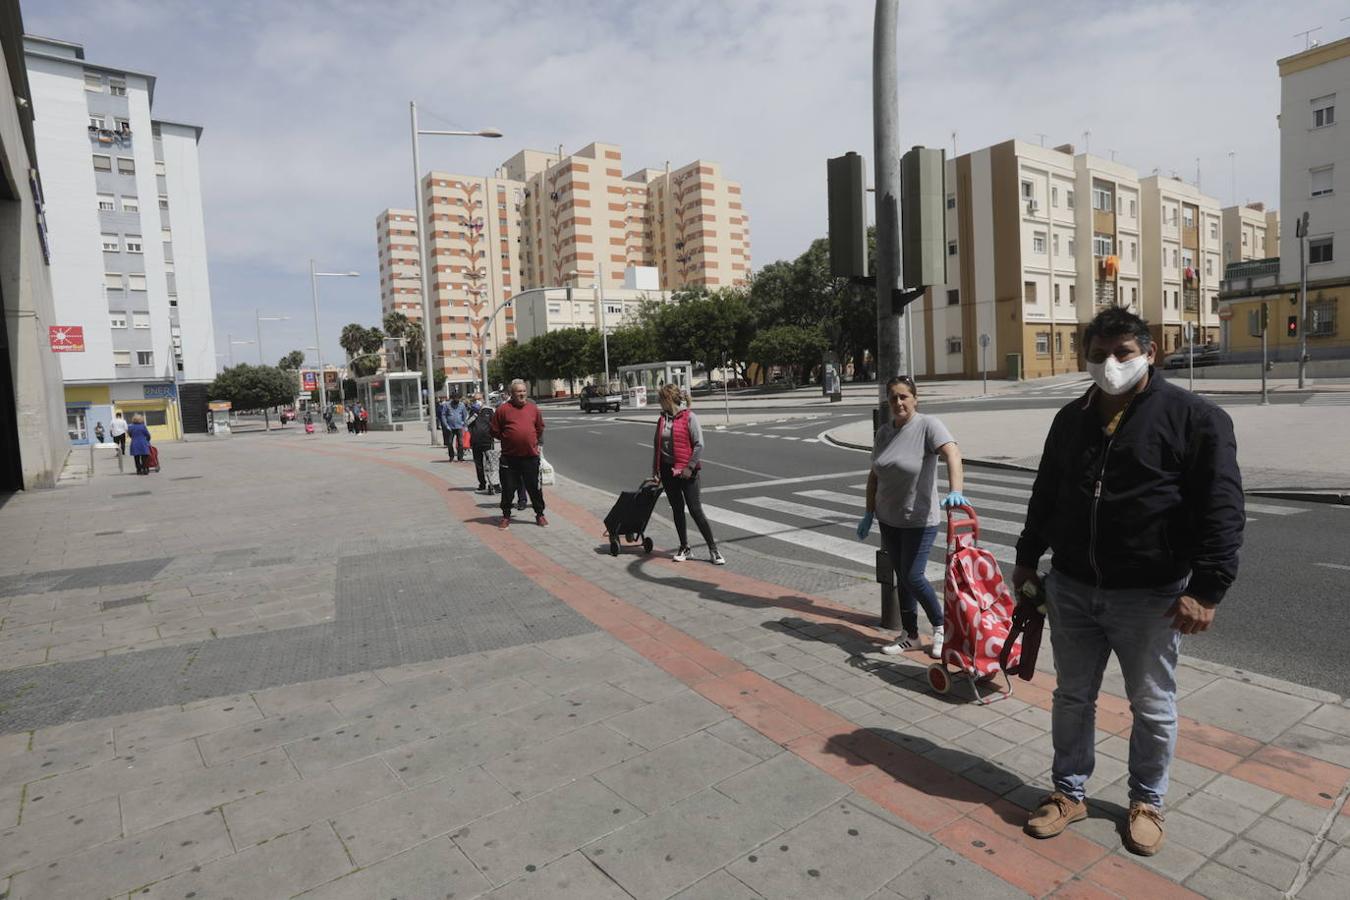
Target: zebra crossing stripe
x=862, y=553
x=1272, y=510
x=851, y=500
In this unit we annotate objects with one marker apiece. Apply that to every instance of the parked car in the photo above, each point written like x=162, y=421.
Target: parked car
x=1206, y=355
x=593, y=398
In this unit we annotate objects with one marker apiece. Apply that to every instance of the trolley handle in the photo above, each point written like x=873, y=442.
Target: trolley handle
x=968, y=521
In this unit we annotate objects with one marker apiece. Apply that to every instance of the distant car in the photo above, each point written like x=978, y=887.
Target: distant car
x=1208, y=355
x=593, y=398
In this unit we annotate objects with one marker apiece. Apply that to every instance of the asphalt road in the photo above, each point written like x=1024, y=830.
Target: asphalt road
x=777, y=489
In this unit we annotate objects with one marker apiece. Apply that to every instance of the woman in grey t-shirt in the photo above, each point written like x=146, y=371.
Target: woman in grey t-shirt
x=902, y=494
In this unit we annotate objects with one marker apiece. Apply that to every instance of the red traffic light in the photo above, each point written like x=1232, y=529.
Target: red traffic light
x=1291, y=329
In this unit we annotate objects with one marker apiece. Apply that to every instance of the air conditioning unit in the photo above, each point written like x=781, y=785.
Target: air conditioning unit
x=1032, y=207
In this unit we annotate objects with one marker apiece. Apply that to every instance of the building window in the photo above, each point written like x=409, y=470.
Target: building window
x=1322, y=318
x=951, y=248
x=1054, y=196
x=93, y=83
x=140, y=320
x=159, y=167
x=1324, y=111
x=111, y=244
x=135, y=282
x=1073, y=246
x=121, y=358
x=1042, y=343
x=117, y=319
x=130, y=204
x=1134, y=296
x=145, y=358
x=1029, y=291
x=134, y=244
x=951, y=201
x=1059, y=343
x=1209, y=265
x=112, y=281
x=953, y=297
x=1068, y=199
x=163, y=201
x=1175, y=261
x=126, y=165
x=1102, y=200
x=953, y=345
x=1057, y=295
x=105, y=203
x=97, y=122
x=1134, y=251
x=117, y=87
x=1038, y=242
x=1319, y=181
x=1028, y=190
x=122, y=125
x=1188, y=217
x=102, y=163
x=1073, y=298
x=1319, y=251
x=1102, y=244
x=1244, y=238
x=1054, y=244
x=1213, y=229
x=1134, y=210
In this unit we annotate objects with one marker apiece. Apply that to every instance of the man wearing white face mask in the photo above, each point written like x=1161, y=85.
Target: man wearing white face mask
x=1139, y=497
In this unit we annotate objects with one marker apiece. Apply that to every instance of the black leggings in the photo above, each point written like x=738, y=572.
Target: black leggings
x=682, y=492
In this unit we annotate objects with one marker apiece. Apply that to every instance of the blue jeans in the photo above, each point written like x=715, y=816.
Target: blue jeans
x=1087, y=624
x=908, y=549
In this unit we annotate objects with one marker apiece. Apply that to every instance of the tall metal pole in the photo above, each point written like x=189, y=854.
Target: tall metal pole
x=257, y=321
x=885, y=147
x=230, y=349
x=1265, y=329
x=604, y=331
x=318, y=344
x=1303, y=301
x=422, y=276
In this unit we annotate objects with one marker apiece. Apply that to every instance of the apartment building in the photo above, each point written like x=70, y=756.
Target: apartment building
x=549, y=219
x=396, y=250
x=33, y=444
x=1183, y=262
x=1110, y=236
x=124, y=214
x=1248, y=232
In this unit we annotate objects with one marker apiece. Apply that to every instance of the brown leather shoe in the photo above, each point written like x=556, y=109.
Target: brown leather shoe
x=1144, y=829
x=1056, y=812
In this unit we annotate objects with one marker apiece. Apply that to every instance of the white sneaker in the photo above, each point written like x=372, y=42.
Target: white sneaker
x=681, y=554
x=910, y=642
x=717, y=558
x=935, y=651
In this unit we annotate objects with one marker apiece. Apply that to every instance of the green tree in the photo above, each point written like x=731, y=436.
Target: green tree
x=292, y=361
x=512, y=360
x=798, y=347
x=707, y=328
x=561, y=354
x=255, y=387
x=360, y=342
x=398, y=325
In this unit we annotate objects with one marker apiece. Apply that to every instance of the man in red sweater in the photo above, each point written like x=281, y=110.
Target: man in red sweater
x=518, y=425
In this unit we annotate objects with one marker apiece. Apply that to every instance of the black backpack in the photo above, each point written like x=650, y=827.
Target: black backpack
x=480, y=432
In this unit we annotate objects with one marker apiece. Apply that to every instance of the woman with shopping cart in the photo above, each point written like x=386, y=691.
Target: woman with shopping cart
x=902, y=495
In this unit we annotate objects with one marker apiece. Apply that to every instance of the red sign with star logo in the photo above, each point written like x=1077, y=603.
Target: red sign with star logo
x=66, y=338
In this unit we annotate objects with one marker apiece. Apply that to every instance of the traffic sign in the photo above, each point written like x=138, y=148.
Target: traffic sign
x=1226, y=313
x=984, y=340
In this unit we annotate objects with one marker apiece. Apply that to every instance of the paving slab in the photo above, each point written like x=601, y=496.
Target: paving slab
x=45, y=838
x=571, y=878
x=279, y=868
x=1247, y=709
x=657, y=778
x=164, y=800
x=944, y=873
x=267, y=733
x=109, y=778
x=526, y=837
x=365, y=736
x=668, y=719
x=664, y=853
x=436, y=868
x=785, y=788
x=545, y=765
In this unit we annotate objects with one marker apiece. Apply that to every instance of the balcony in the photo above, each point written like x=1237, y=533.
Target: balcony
x=1254, y=274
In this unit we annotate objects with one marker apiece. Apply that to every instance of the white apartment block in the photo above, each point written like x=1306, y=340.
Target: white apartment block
x=1183, y=261
x=124, y=211
x=696, y=231
x=1249, y=232
x=396, y=249
x=1110, y=236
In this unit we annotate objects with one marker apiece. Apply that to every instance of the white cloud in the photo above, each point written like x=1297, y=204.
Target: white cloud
x=304, y=104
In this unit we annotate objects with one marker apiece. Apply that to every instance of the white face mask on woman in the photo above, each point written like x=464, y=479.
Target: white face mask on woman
x=1117, y=378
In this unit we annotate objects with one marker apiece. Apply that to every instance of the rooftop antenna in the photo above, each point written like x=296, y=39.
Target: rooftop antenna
x=1113, y=155
x=1308, y=42
x=953, y=144
x=1042, y=137
x=1087, y=142
x=1232, y=166
x=1197, y=173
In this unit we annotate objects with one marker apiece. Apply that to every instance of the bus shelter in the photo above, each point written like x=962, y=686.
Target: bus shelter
x=392, y=399
x=642, y=381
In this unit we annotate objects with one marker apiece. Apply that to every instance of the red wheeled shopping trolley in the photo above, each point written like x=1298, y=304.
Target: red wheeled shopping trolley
x=977, y=607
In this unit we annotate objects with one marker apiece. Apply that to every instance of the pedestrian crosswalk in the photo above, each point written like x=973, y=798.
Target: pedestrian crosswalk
x=823, y=519
x=1328, y=398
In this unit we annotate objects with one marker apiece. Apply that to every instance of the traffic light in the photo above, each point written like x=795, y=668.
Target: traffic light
x=846, y=189
x=923, y=217
x=1265, y=316
x=1291, y=329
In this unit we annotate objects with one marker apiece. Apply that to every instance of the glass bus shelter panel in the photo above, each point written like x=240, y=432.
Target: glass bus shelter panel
x=404, y=401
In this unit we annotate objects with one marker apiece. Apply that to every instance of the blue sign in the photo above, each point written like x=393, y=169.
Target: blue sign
x=161, y=391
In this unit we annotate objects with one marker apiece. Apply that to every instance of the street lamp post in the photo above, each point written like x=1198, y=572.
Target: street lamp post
x=422, y=250
x=232, y=343
x=318, y=348
x=258, y=319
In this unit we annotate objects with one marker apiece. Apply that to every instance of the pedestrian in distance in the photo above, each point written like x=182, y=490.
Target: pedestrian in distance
x=676, y=460
x=902, y=495
x=140, y=444
x=1139, y=497
x=454, y=416
x=440, y=421
x=350, y=418
x=518, y=426
x=117, y=428
x=362, y=419
x=98, y=432
x=479, y=427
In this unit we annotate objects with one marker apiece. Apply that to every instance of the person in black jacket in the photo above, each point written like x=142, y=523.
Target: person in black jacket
x=1139, y=498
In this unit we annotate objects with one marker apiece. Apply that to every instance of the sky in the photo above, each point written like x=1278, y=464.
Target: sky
x=304, y=105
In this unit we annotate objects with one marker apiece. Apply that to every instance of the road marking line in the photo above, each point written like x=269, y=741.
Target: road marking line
x=1333, y=566
x=810, y=440
x=787, y=437
x=777, y=481
x=862, y=553
x=1274, y=510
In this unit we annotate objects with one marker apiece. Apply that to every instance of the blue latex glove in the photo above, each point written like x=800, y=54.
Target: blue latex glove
x=955, y=498
x=864, y=526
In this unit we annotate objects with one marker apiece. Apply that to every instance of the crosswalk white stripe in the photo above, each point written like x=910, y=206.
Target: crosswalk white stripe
x=975, y=478
x=789, y=437
x=1002, y=552
x=1003, y=526
x=851, y=500
x=1272, y=510
x=855, y=551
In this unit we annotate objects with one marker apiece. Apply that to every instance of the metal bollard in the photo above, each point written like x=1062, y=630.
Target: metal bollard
x=890, y=597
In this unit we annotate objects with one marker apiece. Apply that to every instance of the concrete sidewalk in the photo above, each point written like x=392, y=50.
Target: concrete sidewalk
x=313, y=665
x=1283, y=448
